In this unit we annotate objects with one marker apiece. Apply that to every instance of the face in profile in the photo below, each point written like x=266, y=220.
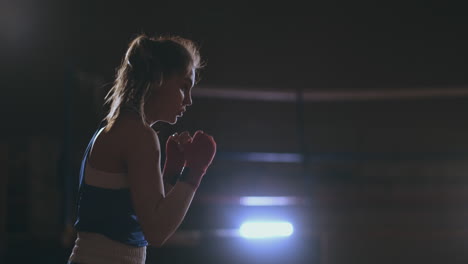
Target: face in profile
x=169, y=101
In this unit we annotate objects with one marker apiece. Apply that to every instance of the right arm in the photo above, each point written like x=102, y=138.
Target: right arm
x=159, y=215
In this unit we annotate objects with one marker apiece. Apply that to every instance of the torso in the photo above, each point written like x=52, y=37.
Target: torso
x=107, y=158
x=106, y=168
x=107, y=153
x=109, y=150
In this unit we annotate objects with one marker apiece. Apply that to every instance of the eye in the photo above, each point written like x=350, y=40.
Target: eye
x=186, y=88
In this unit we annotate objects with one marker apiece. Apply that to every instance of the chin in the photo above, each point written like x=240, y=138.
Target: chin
x=173, y=121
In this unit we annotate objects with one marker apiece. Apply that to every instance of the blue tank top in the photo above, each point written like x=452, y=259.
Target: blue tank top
x=107, y=211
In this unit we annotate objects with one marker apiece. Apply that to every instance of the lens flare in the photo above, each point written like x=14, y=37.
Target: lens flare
x=266, y=229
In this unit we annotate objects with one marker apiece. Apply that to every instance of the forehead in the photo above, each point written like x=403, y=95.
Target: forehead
x=189, y=77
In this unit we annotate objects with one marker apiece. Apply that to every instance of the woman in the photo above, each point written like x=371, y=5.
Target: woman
x=125, y=202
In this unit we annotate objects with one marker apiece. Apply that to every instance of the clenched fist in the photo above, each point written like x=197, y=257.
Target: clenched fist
x=198, y=153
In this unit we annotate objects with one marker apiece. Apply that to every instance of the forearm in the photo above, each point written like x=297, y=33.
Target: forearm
x=170, y=180
x=168, y=188
x=171, y=212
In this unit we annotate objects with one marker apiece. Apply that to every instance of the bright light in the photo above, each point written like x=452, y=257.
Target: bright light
x=266, y=229
x=267, y=200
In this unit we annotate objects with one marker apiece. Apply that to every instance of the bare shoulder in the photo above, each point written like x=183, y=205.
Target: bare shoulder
x=133, y=133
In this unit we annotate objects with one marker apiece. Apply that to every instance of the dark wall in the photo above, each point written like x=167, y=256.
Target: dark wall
x=384, y=179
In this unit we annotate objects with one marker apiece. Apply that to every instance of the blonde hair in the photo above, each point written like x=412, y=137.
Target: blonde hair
x=148, y=61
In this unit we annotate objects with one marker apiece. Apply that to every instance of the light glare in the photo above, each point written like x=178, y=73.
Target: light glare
x=267, y=201
x=266, y=229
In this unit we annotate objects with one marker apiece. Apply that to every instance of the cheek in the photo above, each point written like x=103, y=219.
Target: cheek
x=151, y=100
x=182, y=95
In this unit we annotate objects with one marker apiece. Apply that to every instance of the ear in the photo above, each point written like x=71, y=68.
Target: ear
x=156, y=86
x=157, y=80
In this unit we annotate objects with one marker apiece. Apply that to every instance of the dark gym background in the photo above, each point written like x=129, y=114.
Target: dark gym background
x=356, y=112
